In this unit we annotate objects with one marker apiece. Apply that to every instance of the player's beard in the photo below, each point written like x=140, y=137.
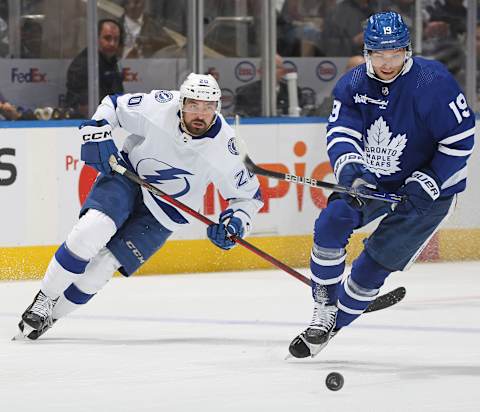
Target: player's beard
x=197, y=127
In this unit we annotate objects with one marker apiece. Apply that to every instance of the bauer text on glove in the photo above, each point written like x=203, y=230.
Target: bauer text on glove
x=420, y=190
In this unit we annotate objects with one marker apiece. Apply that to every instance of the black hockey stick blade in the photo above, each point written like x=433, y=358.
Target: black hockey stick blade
x=308, y=181
x=388, y=299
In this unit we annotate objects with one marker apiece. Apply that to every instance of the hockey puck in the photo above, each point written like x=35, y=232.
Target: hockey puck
x=334, y=381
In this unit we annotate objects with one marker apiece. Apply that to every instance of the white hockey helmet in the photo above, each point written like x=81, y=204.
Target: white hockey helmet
x=200, y=87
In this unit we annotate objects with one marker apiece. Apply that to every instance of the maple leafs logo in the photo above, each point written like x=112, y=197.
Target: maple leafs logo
x=382, y=153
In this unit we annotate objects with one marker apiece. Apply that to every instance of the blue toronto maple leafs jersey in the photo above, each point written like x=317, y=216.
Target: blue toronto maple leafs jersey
x=420, y=121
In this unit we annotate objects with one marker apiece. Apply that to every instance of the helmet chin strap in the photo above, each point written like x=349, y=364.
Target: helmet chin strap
x=407, y=65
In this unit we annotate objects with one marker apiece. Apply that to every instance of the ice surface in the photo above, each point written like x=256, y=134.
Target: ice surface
x=217, y=342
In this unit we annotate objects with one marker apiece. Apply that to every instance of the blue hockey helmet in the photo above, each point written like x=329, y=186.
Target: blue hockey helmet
x=386, y=31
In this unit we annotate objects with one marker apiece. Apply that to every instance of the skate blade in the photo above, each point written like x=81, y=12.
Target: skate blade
x=312, y=355
x=19, y=336
x=316, y=349
x=22, y=335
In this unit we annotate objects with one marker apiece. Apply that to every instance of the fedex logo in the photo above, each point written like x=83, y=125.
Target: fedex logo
x=128, y=75
x=32, y=76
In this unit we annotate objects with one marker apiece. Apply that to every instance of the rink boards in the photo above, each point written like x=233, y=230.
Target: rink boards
x=43, y=184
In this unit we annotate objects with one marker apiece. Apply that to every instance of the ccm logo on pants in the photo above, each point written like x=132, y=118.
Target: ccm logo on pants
x=135, y=251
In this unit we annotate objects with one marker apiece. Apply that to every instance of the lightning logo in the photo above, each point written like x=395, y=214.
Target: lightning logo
x=160, y=173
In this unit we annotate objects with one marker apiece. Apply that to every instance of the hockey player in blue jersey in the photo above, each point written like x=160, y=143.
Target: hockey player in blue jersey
x=181, y=143
x=398, y=124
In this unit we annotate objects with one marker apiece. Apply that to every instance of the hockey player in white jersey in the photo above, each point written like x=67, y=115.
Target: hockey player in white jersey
x=180, y=142
x=399, y=124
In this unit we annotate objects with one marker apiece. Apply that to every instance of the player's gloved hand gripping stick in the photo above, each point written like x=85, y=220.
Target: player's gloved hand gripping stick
x=97, y=144
x=228, y=225
x=381, y=302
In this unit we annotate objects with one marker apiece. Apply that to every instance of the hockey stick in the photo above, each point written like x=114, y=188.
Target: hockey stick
x=182, y=206
x=382, y=302
x=308, y=181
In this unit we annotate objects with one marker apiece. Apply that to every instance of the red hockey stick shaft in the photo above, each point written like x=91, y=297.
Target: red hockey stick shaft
x=182, y=206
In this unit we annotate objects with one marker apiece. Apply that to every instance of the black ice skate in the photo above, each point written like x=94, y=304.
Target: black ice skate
x=37, y=318
x=321, y=329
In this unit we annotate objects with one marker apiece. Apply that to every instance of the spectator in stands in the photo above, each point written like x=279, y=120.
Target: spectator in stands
x=343, y=28
x=7, y=110
x=31, y=39
x=173, y=14
x=3, y=38
x=248, y=99
x=300, y=26
x=446, y=17
x=110, y=78
x=443, y=36
x=144, y=35
x=404, y=7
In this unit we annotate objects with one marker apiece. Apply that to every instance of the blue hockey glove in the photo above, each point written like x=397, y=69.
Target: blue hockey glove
x=228, y=224
x=97, y=144
x=421, y=190
x=357, y=176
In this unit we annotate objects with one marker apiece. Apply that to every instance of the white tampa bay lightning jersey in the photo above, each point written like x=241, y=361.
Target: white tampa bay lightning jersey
x=421, y=121
x=178, y=164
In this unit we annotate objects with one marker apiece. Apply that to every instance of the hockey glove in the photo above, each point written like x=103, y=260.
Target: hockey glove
x=357, y=176
x=97, y=144
x=420, y=191
x=228, y=224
